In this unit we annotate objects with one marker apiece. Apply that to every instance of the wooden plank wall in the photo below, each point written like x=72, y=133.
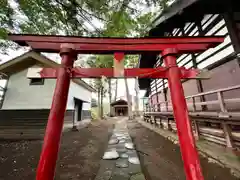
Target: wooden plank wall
x=26, y=124
x=221, y=61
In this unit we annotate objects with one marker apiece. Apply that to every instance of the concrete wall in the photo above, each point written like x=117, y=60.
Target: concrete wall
x=80, y=93
x=21, y=95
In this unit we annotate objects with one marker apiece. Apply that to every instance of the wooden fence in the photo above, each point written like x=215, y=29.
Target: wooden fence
x=220, y=126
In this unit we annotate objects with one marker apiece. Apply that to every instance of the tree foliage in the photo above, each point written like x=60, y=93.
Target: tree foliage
x=102, y=18
x=6, y=22
x=76, y=17
x=118, y=18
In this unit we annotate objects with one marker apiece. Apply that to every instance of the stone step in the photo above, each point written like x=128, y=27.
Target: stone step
x=120, y=161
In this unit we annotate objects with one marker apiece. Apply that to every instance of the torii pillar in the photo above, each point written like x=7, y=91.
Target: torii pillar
x=49, y=154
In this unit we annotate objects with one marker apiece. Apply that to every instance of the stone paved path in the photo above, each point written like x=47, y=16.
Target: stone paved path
x=120, y=160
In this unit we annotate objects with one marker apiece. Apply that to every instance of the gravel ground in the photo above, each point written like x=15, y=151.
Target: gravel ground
x=79, y=156
x=161, y=159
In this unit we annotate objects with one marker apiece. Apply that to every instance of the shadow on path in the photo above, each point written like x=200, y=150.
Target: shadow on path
x=161, y=159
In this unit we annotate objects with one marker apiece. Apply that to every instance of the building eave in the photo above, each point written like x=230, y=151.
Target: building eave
x=43, y=60
x=176, y=8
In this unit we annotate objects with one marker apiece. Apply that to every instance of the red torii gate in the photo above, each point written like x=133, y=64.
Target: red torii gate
x=69, y=47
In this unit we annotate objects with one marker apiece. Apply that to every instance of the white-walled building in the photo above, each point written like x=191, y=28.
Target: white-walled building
x=30, y=99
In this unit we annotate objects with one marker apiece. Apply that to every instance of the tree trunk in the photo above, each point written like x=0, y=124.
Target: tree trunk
x=130, y=114
x=115, y=98
x=110, y=96
x=101, y=102
x=110, y=90
x=137, y=97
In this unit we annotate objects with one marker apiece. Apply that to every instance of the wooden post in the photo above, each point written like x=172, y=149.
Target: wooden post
x=226, y=128
x=196, y=127
x=161, y=125
x=150, y=119
x=198, y=81
x=51, y=144
x=155, y=121
x=221, y=102
x=165, y=95
x=75, y=117
x=152, y=106
x=169, y=125
x=148, y=110
x=188, y=148
x=194, y=105
x=158, y=109
x=228, y=135
x=231, y=25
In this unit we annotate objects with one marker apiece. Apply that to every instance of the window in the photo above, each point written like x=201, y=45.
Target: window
x=37, y=81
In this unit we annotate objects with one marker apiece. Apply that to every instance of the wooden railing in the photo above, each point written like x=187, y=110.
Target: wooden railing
x=221, y=102
x=220, y=126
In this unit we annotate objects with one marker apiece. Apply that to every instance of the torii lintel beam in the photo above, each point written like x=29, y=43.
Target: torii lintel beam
x=77, y=72
x=87, y=45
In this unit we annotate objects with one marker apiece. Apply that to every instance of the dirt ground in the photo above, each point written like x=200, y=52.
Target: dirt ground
x=79, y=158
x=161, y=159
x=81, y=152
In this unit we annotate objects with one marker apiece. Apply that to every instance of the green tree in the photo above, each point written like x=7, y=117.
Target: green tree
x=132, y=62
x=6, y=23
x=102, y=85
x=118, y=18
x=74, y=17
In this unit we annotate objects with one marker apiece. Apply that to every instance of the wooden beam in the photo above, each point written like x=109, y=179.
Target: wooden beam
x=118, y=71
x=85, y=45
x=232, y=29
x=228, y=135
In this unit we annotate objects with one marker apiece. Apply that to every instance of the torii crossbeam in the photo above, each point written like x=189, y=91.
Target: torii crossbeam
x=69, y=47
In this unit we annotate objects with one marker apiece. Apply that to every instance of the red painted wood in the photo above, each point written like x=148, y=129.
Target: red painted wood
x=110, y=49
x=49, y=154
x=22, y=39
x=92, y=72
x=184, y=129
x=119, y=56
x=49, y=72
x=159, y=72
